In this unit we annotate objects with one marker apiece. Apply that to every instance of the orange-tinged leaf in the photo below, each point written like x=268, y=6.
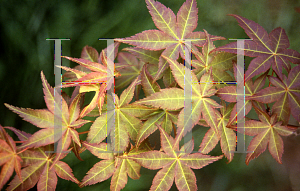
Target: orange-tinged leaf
x=286, y=93
x=185, y=178
x=164, y=178
x=168, y=98
x=163, y=17
x=127, y=94
x=151, y=57
x=148, y=127
x=30, y=176
x=187, y=18
x=269, y=50
x=41, y=118
x=179, y=71
x=137, y=110
x=167, y=143
x=102, y=150
x=50, y=101
x=6, y=171
x=209, y=141
x=43, y=137
x=186, y=122
x=150, y=39
x=63, y=170
x=153, y=159
x=133, y=169
x=276, y=146
x=74, y=109
x=98, y=173
x=146, y=81
x=258, y=145
x=266, y=132
x=21, y=134
x=172, y=32
x=119, y=179
x=131, y=124
x=78, y=73
x=89, y=53
x=48, y=180
x=94, y=66
x=173, y=164
x=198, y=160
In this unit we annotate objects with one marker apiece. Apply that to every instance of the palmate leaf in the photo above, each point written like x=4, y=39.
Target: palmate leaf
x=173, y=99
x=220, y=62
x=37, y=169
x=125, y=125
x=172, y=32
x=130, y=72
x=227, y=136
x=174, y=164
x=113, y=166
x=266, y=132
x=201, y=104
x=147, y=56
x=161, y=116
x=69, y=120
x=286, y=93
x=229, y=94
x=9, y=159
x=269, y=50
x=95, y=79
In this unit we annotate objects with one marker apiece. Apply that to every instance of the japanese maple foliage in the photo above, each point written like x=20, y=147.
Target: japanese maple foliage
x=149, y=103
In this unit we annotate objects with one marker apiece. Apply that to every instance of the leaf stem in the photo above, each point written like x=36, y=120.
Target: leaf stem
x=23, y=150
x=83, y=132
x=19, y=141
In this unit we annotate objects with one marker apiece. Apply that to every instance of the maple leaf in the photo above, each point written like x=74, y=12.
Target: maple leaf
x=113, y=166
x=147, y=56
x=37, y=169
x=130, y=72
x=269, y=50
x=227, y=136
x=172, y=32
x=174, y=164
x=9, y=159
x=95, y=76
x=286, y=93
x=229, y=93
x=266, y=132
x=67, y=117
x=126, y=125
x=174, y=98
x=163, y=117
x=220, y=62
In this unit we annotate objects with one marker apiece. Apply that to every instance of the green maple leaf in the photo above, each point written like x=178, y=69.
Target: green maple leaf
x=173, y=99
x=68, y=116
x=226, y=136
x=172, y=32
x=37, y=167
x=220, y=62
x=174, y=164
x=115, y=166
x=9, y=158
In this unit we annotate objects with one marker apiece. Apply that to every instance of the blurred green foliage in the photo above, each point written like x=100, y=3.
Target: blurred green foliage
x=25, y=25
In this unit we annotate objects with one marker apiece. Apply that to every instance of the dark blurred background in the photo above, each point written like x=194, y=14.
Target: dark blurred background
x=25, y=25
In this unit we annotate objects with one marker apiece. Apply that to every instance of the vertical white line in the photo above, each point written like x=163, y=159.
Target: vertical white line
x=57, y=94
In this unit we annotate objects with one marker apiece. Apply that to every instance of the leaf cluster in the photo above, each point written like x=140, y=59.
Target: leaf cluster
x=178, y=73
